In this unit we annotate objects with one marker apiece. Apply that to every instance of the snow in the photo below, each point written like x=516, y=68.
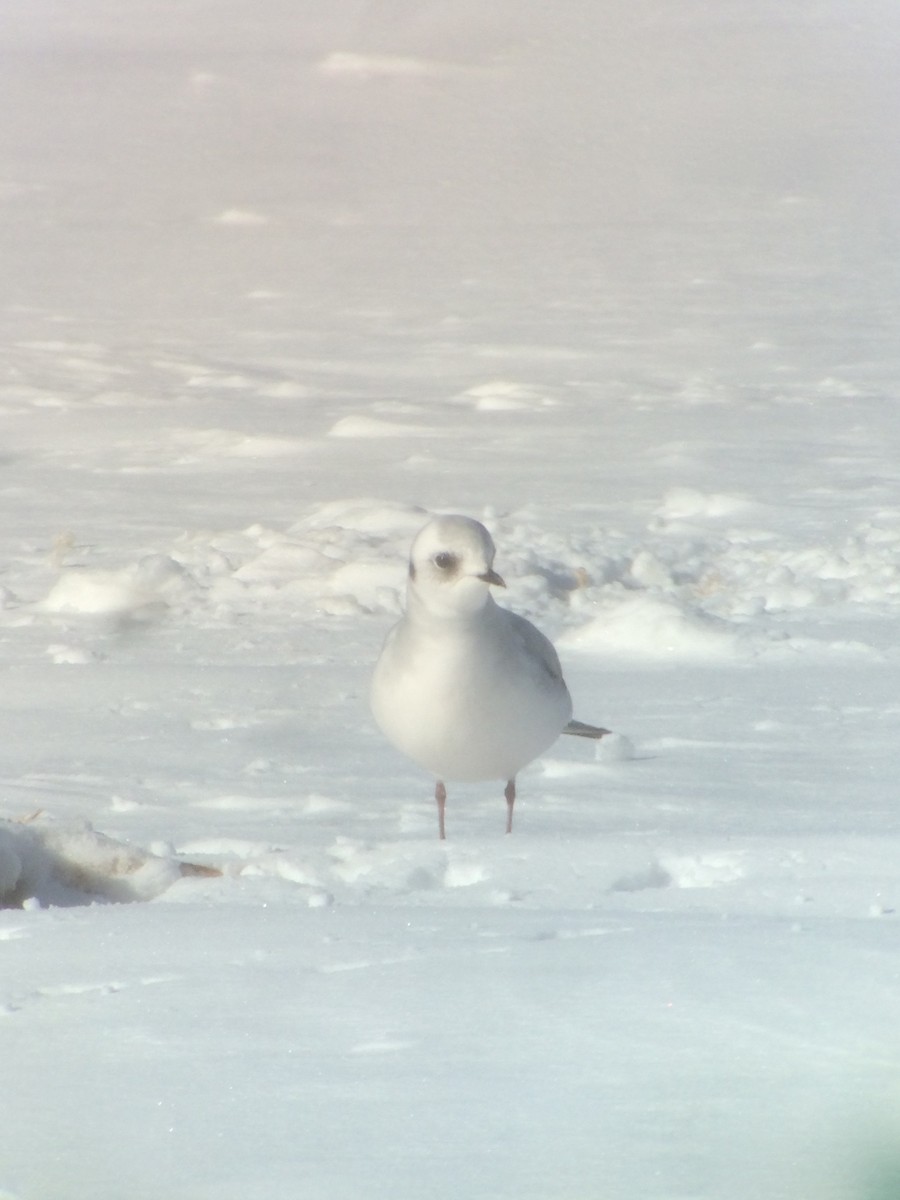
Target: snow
x=281, y=279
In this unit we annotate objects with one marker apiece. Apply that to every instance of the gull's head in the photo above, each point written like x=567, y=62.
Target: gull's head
x=451, y=566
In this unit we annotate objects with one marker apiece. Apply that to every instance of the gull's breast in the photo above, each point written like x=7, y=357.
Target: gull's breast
x=469, y=707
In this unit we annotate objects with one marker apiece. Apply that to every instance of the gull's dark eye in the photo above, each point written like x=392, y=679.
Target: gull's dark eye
x=444, y=560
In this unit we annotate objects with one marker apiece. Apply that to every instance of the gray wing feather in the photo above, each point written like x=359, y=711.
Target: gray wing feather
x=544, y=651
x=537, y=645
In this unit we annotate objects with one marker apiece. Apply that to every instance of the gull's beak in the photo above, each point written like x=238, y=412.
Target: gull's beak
x=491, y=576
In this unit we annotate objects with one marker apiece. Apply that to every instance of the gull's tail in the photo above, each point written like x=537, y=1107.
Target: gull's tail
x=579, y=729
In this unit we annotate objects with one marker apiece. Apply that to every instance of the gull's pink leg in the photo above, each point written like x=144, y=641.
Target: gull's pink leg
x=440, y=795
x=510, y=795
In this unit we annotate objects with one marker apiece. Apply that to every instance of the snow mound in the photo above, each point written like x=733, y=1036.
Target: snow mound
x=140, y=591
x=375, y=518
x=686, y=503
x=655, y=628
x=503, y=395
x=687, y=588
x=50, y=863
x=361, y=426
x=240, y=217
x=343, y=64
x=205, y=444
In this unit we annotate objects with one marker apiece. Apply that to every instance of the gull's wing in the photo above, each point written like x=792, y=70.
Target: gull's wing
x=543, y=650
x=538, y=646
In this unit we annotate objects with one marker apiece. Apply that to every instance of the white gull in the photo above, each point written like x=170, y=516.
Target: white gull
x=466, y=689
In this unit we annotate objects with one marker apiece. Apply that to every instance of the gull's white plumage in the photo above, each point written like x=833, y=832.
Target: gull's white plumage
x=463, y=687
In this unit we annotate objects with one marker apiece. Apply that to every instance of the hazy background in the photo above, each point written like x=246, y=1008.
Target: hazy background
x=621, y=279
x=493, y=129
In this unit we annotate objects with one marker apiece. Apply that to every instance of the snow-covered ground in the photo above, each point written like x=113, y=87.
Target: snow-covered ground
x=620, y=280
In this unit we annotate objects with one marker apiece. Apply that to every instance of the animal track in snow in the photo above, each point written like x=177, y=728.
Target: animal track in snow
x=652, y=876
x=74, y=991
x=683, y=871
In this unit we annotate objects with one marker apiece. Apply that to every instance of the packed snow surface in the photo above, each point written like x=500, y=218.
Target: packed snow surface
x=280, y=280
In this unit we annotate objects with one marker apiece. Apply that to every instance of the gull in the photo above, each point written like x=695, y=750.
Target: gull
x=463, y=687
